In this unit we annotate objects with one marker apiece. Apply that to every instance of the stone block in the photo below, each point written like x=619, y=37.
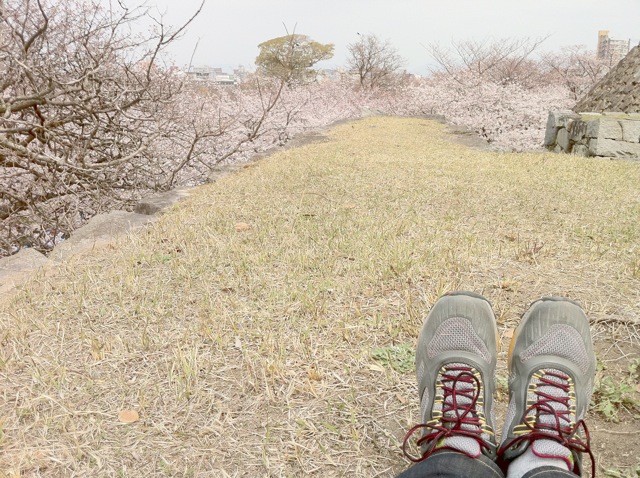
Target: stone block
x=158, y=202
x=592, y=128
x=604, y=128
x=98, y=232
x=552, y=130
x=563, y=140
x=631, y=130
x=558, y=119
x=577, y=130
x=24, y=260
x=613, y=149
x=15, y=269
x=580, y=150
x=555, y=121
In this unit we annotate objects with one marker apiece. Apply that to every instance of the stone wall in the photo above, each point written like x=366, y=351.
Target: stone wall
x=619, y=90
x=612, y=135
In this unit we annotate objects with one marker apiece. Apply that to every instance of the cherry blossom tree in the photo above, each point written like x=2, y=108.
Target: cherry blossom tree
x=374, y=61
x=503, y=89
x=575, y=67
x=81, y=94
x=92, y=118
x=508, y=60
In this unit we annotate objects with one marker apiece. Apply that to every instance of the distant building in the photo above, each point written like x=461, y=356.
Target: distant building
x=610, y=49
x=240, y=73
x=211, y=75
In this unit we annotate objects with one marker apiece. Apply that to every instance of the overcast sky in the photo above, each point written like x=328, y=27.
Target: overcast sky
x=229, y=31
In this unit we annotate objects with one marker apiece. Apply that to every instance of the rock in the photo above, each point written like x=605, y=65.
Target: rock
x=550, y=135
x=156, y=203
x=592, y=128
x=15, y=269
x=577, y=131
x=631, y=131
x=580, y=150
x=98, y=232
x=614, y=149
x=22, y=261
x=604, y=128
x=563, y=141
x=555, y=121
x=558, y=119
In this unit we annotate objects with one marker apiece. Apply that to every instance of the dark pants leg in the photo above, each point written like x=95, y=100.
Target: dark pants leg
x=549, y=472
x=452, y=464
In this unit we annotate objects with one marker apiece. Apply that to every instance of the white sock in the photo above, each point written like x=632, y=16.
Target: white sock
x=547, y=453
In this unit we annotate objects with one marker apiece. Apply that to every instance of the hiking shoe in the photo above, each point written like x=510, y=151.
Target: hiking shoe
x=455, y=366
x=551, y=372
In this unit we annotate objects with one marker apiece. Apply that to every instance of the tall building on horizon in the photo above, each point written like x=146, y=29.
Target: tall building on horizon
x=610, y=49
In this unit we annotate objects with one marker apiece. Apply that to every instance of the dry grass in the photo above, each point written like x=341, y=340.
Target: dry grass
x=249, y=353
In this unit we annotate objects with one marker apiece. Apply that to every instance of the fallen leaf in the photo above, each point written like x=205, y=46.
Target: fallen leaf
x=401, y=399
x=238, y=344
x=242, y=226
x=508, y=334
x=128, y=416
x=349, y=206
x=314, y=374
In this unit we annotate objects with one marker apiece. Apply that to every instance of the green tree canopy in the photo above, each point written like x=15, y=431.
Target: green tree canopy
x=290, y=58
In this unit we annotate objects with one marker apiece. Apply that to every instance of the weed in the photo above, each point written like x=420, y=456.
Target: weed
x=631, y=472
x=400, y=358
x=611, y=395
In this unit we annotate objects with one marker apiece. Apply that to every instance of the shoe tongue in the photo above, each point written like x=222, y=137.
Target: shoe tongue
x=464, y=390
x=549, y=448
x=551, y=419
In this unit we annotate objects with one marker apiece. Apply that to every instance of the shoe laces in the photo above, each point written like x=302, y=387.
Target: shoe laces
x=458, y=417
x=549, y=417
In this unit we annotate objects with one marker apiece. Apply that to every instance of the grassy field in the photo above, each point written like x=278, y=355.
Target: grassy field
x=265, y=326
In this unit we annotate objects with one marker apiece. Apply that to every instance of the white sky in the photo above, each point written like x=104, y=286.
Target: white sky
x=230, y=30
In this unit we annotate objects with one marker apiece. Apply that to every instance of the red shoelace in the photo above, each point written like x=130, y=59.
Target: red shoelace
x=451, y=424
x=559, y=429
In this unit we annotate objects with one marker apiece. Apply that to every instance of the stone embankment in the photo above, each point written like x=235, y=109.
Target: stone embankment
x=619, y=90
x=98, y=232
x=104, y=229
x=612, y=135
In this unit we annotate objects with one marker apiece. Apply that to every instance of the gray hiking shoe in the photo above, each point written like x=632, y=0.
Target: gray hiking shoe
x=551, y=372
x=455, y=366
